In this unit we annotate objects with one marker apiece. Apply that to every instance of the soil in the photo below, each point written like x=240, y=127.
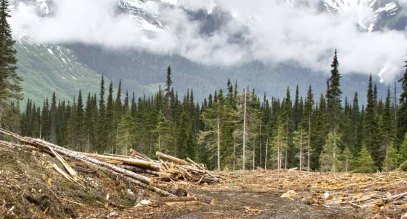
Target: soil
x=30, y=188
x=239, y=204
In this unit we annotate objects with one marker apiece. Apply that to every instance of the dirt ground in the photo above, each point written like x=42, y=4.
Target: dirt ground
x=31, y=188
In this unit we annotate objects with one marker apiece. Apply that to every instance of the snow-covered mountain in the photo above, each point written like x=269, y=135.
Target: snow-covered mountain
x=371, y=14
x=44, y=65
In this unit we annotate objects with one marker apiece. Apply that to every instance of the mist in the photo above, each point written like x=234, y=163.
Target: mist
x=271, y=32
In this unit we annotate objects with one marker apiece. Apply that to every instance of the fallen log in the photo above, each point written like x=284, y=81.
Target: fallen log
x=171, y=158
x=129, y=161
x=135, y=178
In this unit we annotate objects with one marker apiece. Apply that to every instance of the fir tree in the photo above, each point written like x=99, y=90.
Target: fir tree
x=364, y=162
x=330, y=154
x=391, y=159
x=402, y=112
x=346, y=158
x=168, y=83
x=403, y=150
x=102, y=132
x=10, y=88
x=125, y=134
x=280, y=145
x=300, y=141
x=334, y=96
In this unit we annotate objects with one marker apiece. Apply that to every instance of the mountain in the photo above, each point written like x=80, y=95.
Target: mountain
x=68, y=67
x=386, y=13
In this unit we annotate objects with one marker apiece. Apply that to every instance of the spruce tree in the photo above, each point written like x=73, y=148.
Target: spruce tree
x=102, y=132
x=330, y=154
x=168, y=83
x=402, y=112
x=308, y=123
x=346, y=158
x=334, y=96
x=403, y=150
x=391, y=159
x=10, y=88
x=280, y=145
x=364, y=162
x=300, y=142
x=125, y=134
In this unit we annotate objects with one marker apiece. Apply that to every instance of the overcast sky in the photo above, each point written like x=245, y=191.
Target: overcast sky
x=270, y=31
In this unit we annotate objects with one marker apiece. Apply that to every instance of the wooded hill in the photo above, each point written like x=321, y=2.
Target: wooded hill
x=325, y=132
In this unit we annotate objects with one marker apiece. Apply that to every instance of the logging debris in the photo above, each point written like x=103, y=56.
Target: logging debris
x=157, y=176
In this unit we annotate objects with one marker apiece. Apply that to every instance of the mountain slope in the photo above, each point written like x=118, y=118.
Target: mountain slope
x=70, y=67
x=46, y=69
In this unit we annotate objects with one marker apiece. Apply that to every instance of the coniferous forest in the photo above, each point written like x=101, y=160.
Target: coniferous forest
x=234, y=128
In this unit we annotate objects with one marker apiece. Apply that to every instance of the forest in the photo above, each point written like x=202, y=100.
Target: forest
x=233, y=128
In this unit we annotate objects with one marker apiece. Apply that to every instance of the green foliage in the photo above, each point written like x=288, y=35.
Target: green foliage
x=280, y=146
x=346, y=159
x=391, y=158
x=403, y=151
x=125, y=136
x=364, y=162
x=330, y=154
x=277, y=132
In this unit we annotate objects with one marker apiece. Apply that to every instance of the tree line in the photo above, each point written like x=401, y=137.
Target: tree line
x=234, y=128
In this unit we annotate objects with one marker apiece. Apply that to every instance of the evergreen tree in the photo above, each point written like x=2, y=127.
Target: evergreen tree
x=346, y=158
x=330, y=154
x=300, y=142
x=391, y=159
x=168, y=83
x=403, y=150
x=53, y=119
x=334, y=96
x=102, y=132
x=402, y=112
x=10, y=88
x=110, y=121
x=280, y=145
x=308, y=123
x=364, y=162
x=163, y=130
x=125, y=134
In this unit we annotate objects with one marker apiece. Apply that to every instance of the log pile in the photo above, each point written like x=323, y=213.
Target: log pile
x=166, y=169
x=138, y=169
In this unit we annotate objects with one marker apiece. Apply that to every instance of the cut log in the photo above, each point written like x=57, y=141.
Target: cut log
x=129, y=161
x=171, y=159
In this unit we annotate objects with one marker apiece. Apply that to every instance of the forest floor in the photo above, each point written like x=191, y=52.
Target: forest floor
x=31, y=188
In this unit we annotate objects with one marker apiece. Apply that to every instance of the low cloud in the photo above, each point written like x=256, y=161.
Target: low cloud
x=272, y=32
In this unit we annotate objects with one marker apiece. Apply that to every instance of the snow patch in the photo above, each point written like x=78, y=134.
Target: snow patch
x=171, y=2
x=50, y=51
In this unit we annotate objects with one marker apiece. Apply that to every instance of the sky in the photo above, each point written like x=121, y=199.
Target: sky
x=272, y=32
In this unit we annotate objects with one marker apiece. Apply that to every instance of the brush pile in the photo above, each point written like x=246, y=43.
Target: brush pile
x=158, y=176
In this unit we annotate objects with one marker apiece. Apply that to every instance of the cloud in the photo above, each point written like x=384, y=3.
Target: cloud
x=272, y=32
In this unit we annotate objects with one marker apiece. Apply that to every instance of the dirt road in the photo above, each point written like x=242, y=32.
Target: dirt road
x=244, y=204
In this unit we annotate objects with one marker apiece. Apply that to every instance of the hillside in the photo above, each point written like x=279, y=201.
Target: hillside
x=72, y=64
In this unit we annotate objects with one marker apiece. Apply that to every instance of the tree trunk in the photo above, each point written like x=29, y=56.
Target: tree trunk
x=244, y=129
x=265, y=157
x=260, y=153
x=301, y=151
x=254, y=154
x=234, y=151
x=218, y=142
x=309, y=141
